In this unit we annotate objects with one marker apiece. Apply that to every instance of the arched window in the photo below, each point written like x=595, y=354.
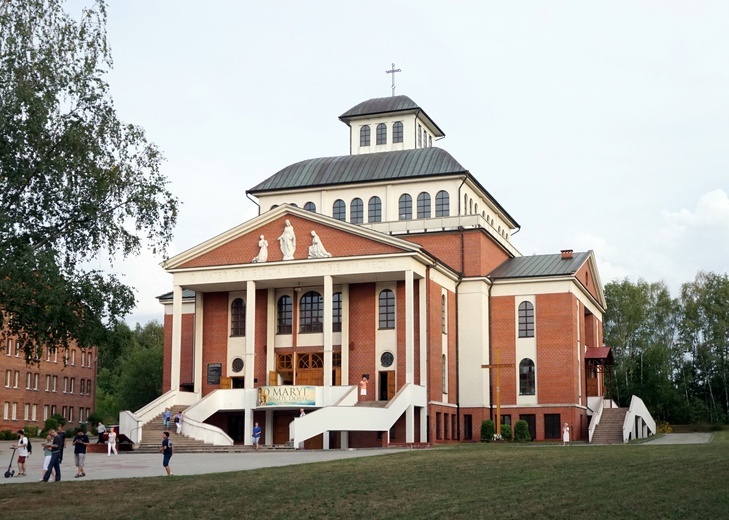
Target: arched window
x=382, y=133
x=356, y=211
x=444, y=374
x=238, y=317
x=337, y=312
x=424, y=205
x=364, y=136
x=310, y=206
x=465, y=204
x=374, y=210
x=442, y=204
x=475, y=209
x=387, y=309
x=526, y=320
x=527, y=378
x=420, y=136
x=406, y=207
x=397, y=132
x=339, y=211
x=285, y=315
x=311, y=313
x=470, y=206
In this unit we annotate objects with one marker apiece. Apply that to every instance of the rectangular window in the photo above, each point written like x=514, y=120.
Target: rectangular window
x=552, y=422
x=33, y=413
x=26, y=412
x=17, y=349
x=45, y=412
x=35, y=381
x=506, y=419
x=73, y=358
x=446, y=434
x=16, y=379
x=65, y=387
x=531, y=421
x=55, y=355
x=70, y=414
x=28, y=379
x=83, y=387
x=14, y=414
x=73, y=385
x=55, y=383
x=48, y=383
x=438, y=427
x=83, y=358
x=63, y=411
x=88, y=412
x=88, y=386
x=9, y=349
x=6, y=411
x=8, y=378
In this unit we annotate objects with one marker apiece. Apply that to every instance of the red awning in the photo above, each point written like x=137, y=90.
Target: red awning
x=600, y=353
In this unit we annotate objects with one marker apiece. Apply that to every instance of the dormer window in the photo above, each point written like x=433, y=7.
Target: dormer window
x=364, y=135
x=420, y=136
x=406, y=207
x=397, y=132
x=356, y=211
x=382, y=133
x=430, y=141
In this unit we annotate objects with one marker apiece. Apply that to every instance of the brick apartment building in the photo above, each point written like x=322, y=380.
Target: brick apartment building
x=32, y=393
x=394, y=263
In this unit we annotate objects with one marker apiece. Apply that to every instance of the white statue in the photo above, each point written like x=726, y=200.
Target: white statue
x=316, y=249
x=288, y=241
x=263, y=252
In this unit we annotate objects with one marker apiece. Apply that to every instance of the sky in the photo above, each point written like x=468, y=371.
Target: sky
x=597, y=125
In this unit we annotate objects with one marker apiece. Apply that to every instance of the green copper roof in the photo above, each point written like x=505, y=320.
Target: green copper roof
x=380, y=106
x=348, y=169
x=540, y=265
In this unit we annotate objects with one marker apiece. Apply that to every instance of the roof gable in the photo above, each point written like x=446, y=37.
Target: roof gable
x=240, y=245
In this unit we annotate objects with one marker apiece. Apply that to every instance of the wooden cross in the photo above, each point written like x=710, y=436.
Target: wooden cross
x=393, y=71
x=498, y=366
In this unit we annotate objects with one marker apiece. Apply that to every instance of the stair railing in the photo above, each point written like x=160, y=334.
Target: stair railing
x=596, y=416
x=647, y=425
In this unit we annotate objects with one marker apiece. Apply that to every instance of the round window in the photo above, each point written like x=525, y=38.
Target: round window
x=386, y=359
x=237, y=365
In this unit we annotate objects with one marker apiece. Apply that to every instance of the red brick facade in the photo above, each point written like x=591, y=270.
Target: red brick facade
x=29, y=394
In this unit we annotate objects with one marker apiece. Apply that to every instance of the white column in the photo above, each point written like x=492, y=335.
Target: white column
x=198, y=363
x=250, y=332
x=424, y=424
x=345, y=336
x=176, y=338
x=325, y=440
x=409, y=351
x=268, y=428
x=344, y=440
x=248, y=425
x=423, y=369
x=328, y=295
x=270, y=334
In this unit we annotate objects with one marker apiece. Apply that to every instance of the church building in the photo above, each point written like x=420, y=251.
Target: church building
x=378, y=298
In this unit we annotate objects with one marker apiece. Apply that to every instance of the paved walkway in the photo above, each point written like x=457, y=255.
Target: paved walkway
x=99, y=466
x=682, y=438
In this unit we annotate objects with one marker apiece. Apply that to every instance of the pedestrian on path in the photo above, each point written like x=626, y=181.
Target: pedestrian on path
x=111, y=443
x=22, y=447
x=167, y=452
x=363, y=388
x=46, y=454
x=178, y=422
x=256, y=435
x=80, y=441
x=166, y=415
x=565, y=434
x=101, y=429
x=55, y=464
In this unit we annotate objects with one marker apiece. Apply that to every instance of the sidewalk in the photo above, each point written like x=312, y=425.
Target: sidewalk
x=133, y=465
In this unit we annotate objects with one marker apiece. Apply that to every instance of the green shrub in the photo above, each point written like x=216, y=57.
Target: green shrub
x=31, y=431
x=487, y=430
x=70, y=433
x=506, y=432
x=60, y=419
x=521, y=432
x=663, y=427
x=4, y=435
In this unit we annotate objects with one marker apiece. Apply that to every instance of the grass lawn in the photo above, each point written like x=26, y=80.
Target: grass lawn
x=465, y=481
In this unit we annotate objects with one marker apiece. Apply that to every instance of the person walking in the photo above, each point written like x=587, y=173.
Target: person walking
x=565, y=434
x=55, y=465
x=102, y=430
x=62, y=434
x=22, y=447
x=363, y=388
x=80, y=441
x=178, y=422
x=167, y=452
x=166, y=416
x=256, y=435
x=111, y=443
x=46, y=455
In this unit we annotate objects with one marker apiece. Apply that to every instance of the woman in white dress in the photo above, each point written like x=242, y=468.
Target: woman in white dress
x=565, y=434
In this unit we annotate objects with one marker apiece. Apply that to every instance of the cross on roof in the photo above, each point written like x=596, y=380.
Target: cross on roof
x=392, y=71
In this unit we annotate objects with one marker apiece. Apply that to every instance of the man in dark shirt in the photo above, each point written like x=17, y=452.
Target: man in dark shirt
x=62, y=435
x=167, y=451
x=55, y=464
x=80, y=441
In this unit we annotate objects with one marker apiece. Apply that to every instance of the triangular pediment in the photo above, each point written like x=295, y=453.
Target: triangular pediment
x=242, y=244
